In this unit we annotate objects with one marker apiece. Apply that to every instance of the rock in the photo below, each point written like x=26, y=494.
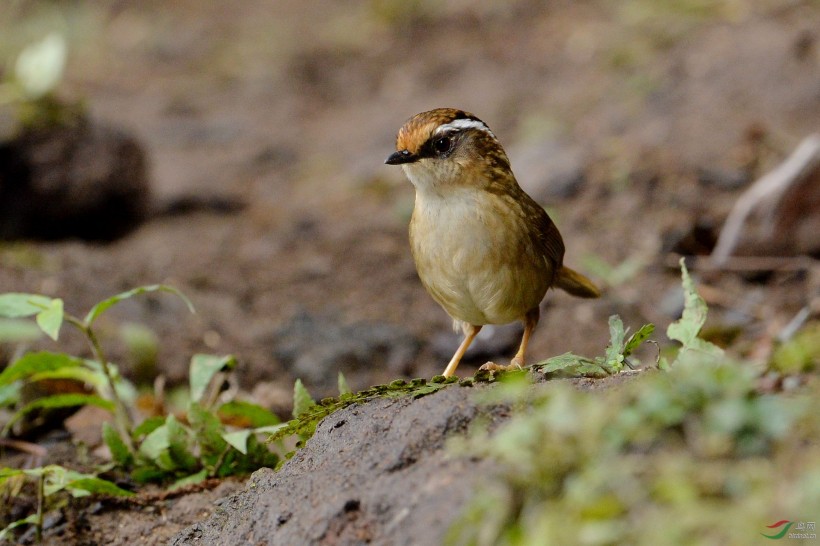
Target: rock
x=315, y=349
x=80, y=179
x=376, y=473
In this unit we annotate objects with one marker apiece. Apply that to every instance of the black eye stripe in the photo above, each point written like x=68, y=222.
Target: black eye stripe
x=433, y=147
x=429, y=148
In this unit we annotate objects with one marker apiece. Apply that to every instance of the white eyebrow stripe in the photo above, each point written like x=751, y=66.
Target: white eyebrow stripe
x=464, y=124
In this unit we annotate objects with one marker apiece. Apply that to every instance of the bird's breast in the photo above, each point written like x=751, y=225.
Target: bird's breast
x=475, y=255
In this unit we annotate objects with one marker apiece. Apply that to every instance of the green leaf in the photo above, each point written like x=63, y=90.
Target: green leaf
x=42, y=470
x=259, y=454
x=636, y=339
x=5, y=533
x=18, y=330
x=72, y=399
x=421, y=391
x=686, y=329
x=78, y=484
x=6, y=473
x=256, y=415
x=61, y=401
x=199, y=477
x=571, y=365
x=55, y=477
x=270, y=429
x=302, y=400
x=104, y=305
x=148, y=426
x=92, y=378
x=51, y=318
x=614, y=357
x=238, y=439
x=208, y=429
x=97, y=486
x=145, y=474
x=119, y=452
x=15, y=305
x=344, y=388
x=202, y=370
x=10, y=394
x=155, y=445
x=33, y=363
x=179, y=444
x=560, y=362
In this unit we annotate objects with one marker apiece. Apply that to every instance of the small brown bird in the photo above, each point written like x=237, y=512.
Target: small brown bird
x=484, y=249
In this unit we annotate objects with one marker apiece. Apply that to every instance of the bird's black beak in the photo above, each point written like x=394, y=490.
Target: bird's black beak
x=400, y=157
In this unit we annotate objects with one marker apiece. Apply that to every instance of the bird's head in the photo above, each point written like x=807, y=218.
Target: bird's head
x=447, y=147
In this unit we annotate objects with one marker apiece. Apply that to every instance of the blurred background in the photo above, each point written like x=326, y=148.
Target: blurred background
x=235, y=151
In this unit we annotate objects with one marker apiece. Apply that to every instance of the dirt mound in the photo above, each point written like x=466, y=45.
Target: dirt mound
x=375, y=472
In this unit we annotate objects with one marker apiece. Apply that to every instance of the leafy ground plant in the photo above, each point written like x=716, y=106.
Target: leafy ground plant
x=99, y=373
x=166, y=449
x=690, y=454
x=50, y=481
x=614, y=360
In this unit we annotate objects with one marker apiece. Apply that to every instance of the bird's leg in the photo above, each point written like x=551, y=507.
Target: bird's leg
x=530, y=321
x=470, y=331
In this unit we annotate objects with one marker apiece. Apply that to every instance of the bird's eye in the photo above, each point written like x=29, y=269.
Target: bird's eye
x=442, y=145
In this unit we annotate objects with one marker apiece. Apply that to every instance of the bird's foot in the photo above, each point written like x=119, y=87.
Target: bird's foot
x=492, y=367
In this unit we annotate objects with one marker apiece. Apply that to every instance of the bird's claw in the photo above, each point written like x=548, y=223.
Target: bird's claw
x=493, y=368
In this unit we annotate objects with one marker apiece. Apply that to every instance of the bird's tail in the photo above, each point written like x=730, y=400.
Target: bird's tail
x=576, y=284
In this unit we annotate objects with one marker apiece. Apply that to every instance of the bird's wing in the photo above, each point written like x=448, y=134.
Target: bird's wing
x=546, y=234
x=551, y=239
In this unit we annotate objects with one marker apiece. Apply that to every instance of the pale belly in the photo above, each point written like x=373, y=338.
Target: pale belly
x=479, y=271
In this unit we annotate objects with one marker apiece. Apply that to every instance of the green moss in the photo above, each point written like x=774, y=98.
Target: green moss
x=304, y=425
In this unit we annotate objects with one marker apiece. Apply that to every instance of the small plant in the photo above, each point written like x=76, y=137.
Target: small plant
x=203, y=446
x=165, y=449
x=99, y=374
x=51, y=480
x=614, y=360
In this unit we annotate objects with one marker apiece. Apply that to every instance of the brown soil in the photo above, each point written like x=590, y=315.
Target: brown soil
x=611, y=114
